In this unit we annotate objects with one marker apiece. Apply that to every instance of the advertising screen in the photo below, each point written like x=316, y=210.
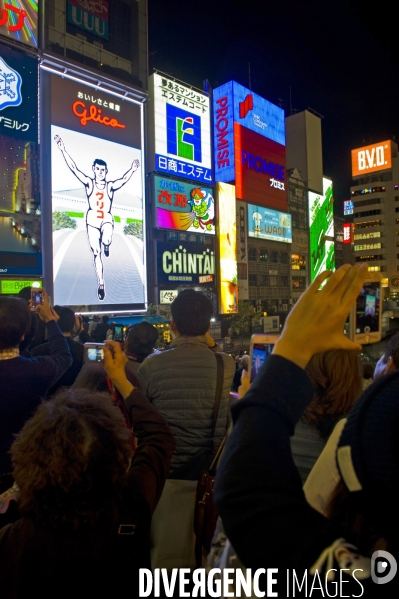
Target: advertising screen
x=19, y=19
x=184, y=206
x=347, y=232
x=260, y=169
x=321, y=221
x=228, y=294
x=20, y=211
x=264, y=223
x=233, y=103
x=348, y=207
x=89, y=16
x=242, y=249
x=184, y=263
x=97, y=199
x=372, y=158
x=13, y=287
x=182, y=130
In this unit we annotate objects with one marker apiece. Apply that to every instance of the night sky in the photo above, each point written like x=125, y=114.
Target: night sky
x=339, y=59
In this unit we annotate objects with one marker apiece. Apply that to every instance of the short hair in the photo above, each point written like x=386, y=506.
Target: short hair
x=66, y=321
x=30, y=333
x=392, y=349
x=192, y=312
x=141, y=339
x=25, y=293
x=105, y=319
x=71, y=459
x=93, y=377
x=15, y=321
x=100, y=162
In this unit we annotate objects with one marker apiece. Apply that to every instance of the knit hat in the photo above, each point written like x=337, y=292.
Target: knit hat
x=368, y=452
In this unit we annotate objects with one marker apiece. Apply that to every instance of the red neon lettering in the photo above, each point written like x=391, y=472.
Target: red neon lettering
x=93, y=115
x=21, y=17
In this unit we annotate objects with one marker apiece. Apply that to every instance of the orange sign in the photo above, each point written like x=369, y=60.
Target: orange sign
x=370, y=159
x=94, y=114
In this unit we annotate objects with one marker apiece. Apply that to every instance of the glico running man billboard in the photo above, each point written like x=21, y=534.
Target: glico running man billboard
x=20, y=209
x=179, y=125
x=97, y=198
x=321, y=221
x=184, y=206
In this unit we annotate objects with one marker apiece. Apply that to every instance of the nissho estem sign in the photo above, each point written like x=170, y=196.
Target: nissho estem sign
x=321, y=221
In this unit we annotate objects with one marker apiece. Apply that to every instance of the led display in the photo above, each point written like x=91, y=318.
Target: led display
x=264, y=223
x=321, y=221
x=18, y=21
x=228, y=291
x=184, y=263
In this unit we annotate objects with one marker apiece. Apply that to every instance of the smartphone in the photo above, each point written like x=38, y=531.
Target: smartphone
x=365, y=318
x=36, y=297
x=118, y=332
x=94, y=352
x=260, y=349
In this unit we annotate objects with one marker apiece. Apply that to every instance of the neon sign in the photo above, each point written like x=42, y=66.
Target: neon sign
x=94, y=114
x=20, y=18
x=18, y=21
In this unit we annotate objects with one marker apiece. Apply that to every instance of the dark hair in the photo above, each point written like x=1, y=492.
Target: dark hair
x=66, y=321
x=71, y=459
x=93, y=377
x=99, y=162
x=141, y=339
x=105, y=318
x=192, y=312
x=25, y=293
x=392, y=349
x=14, y=321
x=30, y=333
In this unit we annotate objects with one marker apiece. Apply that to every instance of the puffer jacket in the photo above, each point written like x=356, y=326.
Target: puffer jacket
x=181, y=384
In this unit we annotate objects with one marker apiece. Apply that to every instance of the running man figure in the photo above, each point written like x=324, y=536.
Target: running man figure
x=100, y=195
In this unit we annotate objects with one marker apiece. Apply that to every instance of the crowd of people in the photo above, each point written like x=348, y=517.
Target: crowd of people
x=99, y=461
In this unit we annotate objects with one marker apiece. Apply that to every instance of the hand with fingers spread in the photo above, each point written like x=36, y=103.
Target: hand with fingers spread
x=316, y=322
x=114, y=364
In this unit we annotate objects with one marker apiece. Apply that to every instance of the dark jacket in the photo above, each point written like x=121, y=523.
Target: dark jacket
x=69, y=377
x=23, y=382
x=51, y=563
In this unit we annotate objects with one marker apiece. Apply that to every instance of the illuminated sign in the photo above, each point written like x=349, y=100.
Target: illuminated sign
x=181, y=130
x=20, y=208
x=13, y=287
x=97, y=200
x=242, y=249
x=91, y=16
x=233, y=103
x=228, y=294
x=372, y=158
x=321, y=221
x=264, y=223
x=166, y=296
x=184, y=207
x=347, y=232
x=184, y=262
x=348, y=207
x=18, y=21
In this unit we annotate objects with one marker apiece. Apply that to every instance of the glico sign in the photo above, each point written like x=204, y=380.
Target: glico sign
x=18, y=21
x=372, y=158
x=180, y=128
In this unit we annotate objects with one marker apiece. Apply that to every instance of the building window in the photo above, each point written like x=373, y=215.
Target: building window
x=284, y=281
x=370, y=235
x=273, y=280
x=298, y=283
x=284, y=257
x=264, y=280
x=274, y=256
x=370, y=223
x=263, y=255
x=298, y=262
x=367, y=246
x=252, y=254
x=252, y=280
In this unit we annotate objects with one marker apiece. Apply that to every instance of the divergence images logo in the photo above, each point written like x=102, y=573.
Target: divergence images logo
x=383, y=567
x=246, y=105
x=10, y=86
x=183, y=133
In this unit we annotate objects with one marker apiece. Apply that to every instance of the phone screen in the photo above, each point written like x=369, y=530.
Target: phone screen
x=118, y=333
x=37, y=297
x=95, y=354
x=260, y=352
x=368, y=308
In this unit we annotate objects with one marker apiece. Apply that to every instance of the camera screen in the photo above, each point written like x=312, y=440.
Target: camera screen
x=260, y=352
x=37, y=297
x=95, y=354
x=368, y=308
x=118, y=333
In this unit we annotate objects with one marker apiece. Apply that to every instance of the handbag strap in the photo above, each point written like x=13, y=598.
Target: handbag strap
x=218, y=393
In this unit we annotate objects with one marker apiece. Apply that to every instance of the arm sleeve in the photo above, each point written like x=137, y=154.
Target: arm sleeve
x=258, y=488
x=150, y=465
x=53, y=366
x=143, y=375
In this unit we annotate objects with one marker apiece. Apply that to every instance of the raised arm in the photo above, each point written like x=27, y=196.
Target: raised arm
x=71, y=163
x=115, y=185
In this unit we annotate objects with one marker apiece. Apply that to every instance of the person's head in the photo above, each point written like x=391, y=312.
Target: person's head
x=70, y=459
x=335, y=376
x=25, y=293
x=389, y=360
x=66, y=321
x=105, y=319
x=191, y=313
x=140, y=339
x=93, y=377
x=100, y=169
x=15, y=321
x=30, y=333
x=365, y=502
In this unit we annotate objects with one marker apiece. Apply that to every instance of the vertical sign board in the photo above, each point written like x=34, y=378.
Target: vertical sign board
x=20, y=209
x=347, y=232
x=184, y=206
x=181, y=129
x=92, y=17
x=97, y=199
x=321, y=221
x=19, y=20
x=242, y=250
x=223, y=132
x=227, y=238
